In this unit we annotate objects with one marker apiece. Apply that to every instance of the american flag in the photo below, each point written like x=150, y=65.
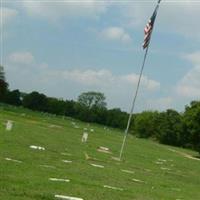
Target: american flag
x=148, y=29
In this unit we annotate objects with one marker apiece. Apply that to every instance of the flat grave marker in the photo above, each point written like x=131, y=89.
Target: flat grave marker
x=66, y=154
x=165, y=168
x=137, y=180
x=67, y=161
x=67, y=197
x=159, y=163
x=112, y=187
x=98, y=166
x=10, y=159
x=104, y=150
x=59, y=180
x=48, y=166
x=162, y=160
x=37, y=147
x=128, y=171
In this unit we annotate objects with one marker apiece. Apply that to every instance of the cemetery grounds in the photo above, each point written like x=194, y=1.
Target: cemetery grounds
x=42, y=157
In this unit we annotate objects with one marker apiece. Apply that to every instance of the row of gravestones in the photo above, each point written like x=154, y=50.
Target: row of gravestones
x=9, y=126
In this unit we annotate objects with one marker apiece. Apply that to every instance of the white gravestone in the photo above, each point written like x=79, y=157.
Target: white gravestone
x=84, y=137
x=67, y=197
x=37, y=147
x=113, y=188
x=59, y=179
x=9, y=125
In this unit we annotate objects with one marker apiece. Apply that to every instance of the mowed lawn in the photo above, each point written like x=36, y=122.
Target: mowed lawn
x=148, y=171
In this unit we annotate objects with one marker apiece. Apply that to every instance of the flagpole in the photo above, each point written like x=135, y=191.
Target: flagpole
x=136, y=94
x=133, y=104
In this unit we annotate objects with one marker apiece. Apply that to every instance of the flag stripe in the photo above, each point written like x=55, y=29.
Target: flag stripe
x=148, y=29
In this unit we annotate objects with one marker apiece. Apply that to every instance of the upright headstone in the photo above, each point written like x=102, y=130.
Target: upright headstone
x=9, y=125
x=84, y=137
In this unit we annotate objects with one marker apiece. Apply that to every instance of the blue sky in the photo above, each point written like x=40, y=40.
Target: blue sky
x=63, y=48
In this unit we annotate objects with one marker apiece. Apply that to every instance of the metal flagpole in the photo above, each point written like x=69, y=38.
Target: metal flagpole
x=136, y=93
x=133, y=104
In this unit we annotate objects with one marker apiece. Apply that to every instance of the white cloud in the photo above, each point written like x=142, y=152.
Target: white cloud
x=8, y=14
x=178, y=17
x=89, y=77
x=194, y=58
x=189, y=85
x=69, y=84
x=103, y=79
x=115, y=33
x=162, y=103
x=106, y=79
x=149, y=84
x=57, y=10
x=21, y=58
x=185, y=17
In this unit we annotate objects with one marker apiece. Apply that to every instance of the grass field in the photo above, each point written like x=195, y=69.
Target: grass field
x=148, y=171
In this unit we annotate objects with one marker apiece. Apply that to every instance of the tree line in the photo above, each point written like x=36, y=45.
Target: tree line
x=167, y=127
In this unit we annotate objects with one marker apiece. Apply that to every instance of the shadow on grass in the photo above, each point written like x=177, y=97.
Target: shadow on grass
x=197, y=157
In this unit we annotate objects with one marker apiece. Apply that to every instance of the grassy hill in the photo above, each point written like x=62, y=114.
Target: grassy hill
x=149, y=171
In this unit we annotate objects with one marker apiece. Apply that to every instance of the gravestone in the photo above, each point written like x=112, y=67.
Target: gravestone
x=67, y=161
x=48, y=166
x=137, y=180
x=37, y=147
x=59, y=180
x=127, y=171
x=113, y=188
x=9, y=125
x=84, y=137
x=10, y=159
x=67, y=197
x=95, y=165
x=104, y=150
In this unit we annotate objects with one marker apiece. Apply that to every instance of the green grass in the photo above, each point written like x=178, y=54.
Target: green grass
x=29, y=180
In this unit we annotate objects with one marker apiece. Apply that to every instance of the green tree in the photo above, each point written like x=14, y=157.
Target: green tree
x=169, y=127
x=144, y=124
x=116, y=118
x=56, y=106
x=70, y=108
x=92, y=99
x=3, y=85
x=99, y=115
x=192, y=125
x=13, y=97
x=35, y=101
